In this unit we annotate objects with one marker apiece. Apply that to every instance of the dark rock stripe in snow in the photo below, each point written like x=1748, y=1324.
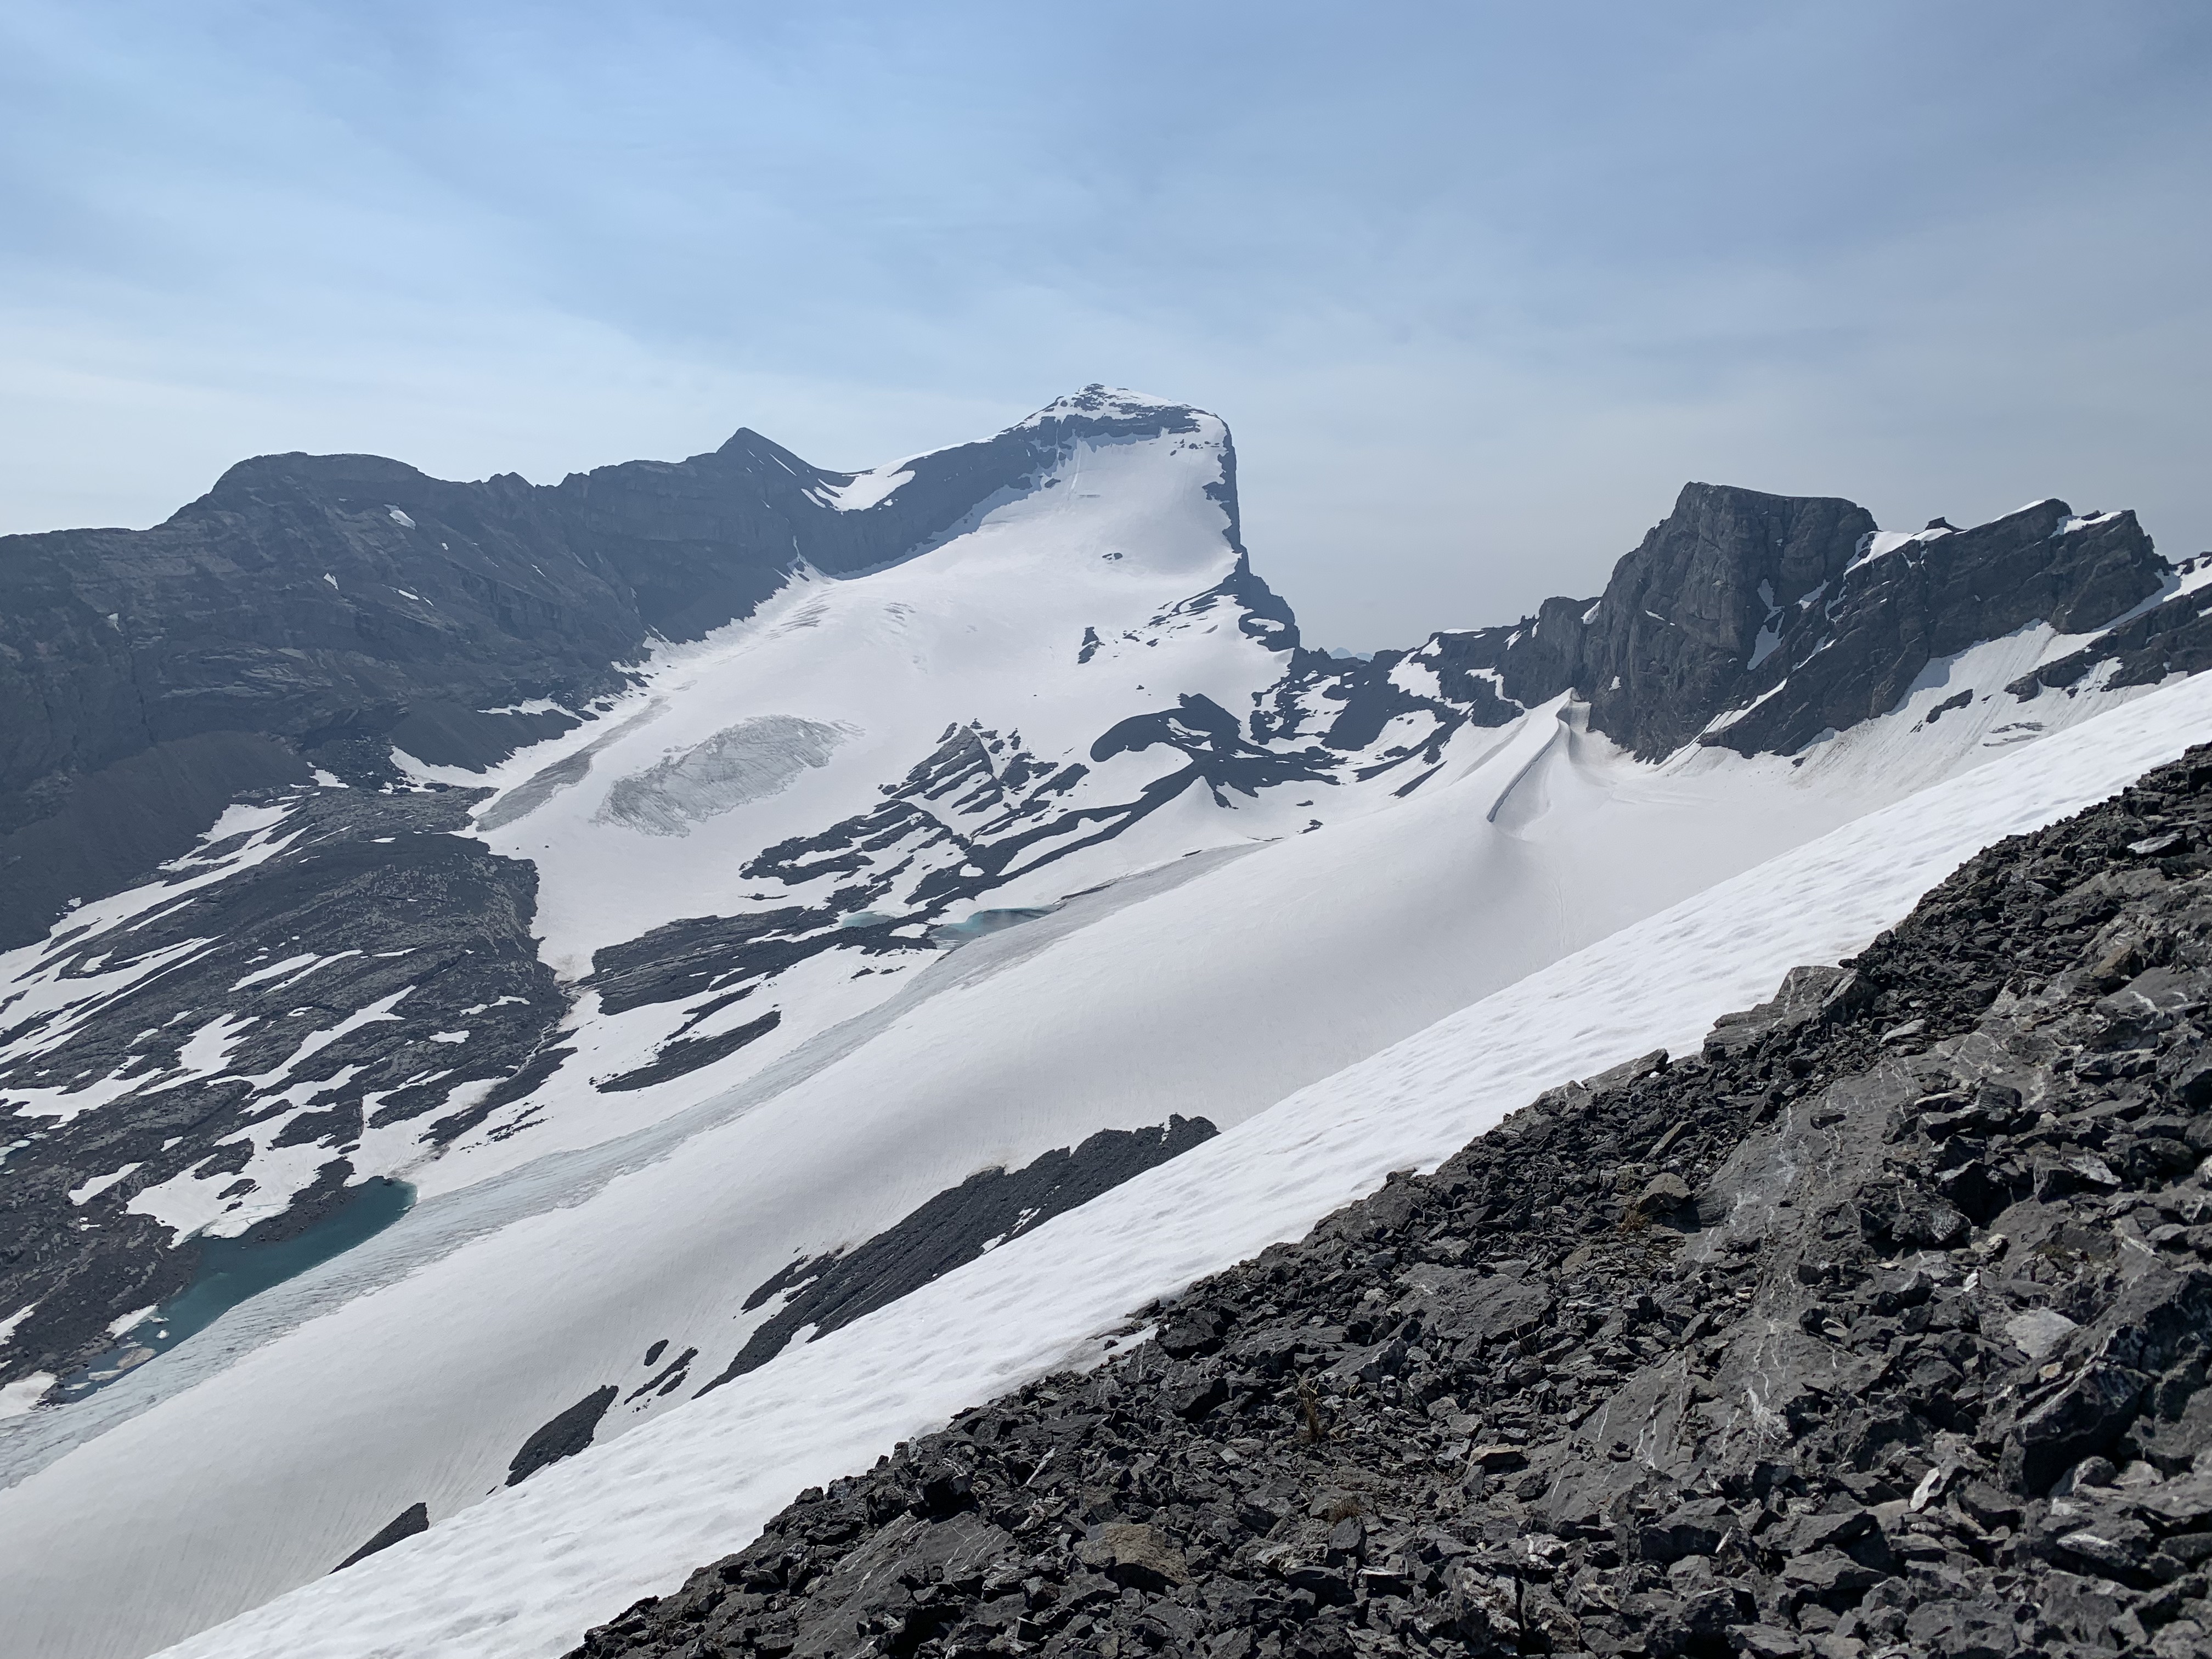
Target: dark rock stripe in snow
x=563, y=1436
x=1881, y=1326
x=958, y=1224
x=409, y=1521
x=690, y=1053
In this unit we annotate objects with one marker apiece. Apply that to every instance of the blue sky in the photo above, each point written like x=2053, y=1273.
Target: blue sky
x=1479, y=287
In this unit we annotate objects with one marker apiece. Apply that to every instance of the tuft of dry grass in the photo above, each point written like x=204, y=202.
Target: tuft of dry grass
x=1314, y=1429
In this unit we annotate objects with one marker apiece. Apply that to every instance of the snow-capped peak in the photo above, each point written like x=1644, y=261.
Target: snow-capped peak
x=1097, y=402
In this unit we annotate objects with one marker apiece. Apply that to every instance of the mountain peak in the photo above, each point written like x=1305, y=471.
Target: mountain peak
x=297, y=468
x=1114, y=405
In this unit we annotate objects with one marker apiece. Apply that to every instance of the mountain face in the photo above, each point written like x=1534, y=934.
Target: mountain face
x=311, y=611
x=724, y=898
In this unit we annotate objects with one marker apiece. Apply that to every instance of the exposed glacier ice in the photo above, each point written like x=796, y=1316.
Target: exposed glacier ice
x=747, y=762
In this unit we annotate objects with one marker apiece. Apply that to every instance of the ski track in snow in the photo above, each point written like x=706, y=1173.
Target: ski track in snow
x=525, y=1572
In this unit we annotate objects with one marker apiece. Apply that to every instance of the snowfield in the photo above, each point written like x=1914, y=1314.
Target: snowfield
x=523, y=1572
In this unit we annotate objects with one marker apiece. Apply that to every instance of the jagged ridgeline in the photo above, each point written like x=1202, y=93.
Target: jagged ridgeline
x=1878, y=1327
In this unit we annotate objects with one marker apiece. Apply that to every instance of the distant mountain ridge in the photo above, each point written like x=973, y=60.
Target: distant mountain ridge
x=1758, y=621
x=310, y=612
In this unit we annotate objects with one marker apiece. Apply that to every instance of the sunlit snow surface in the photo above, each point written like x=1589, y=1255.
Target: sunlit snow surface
x=1211, y=959
x=523, y=1573
x=991, y=624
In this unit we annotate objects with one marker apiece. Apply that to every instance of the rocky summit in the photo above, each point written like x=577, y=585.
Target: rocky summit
x=1878, y=1327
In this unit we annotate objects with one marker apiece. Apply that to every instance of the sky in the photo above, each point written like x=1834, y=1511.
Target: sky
x=1477, y=286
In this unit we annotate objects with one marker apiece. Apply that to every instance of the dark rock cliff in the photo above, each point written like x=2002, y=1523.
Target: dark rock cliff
x=1670, y=643
x=1880, y=1327
x=1758, y=622
x=1854, y=653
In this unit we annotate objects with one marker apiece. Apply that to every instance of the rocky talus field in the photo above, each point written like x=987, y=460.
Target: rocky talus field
x=1880, y=1327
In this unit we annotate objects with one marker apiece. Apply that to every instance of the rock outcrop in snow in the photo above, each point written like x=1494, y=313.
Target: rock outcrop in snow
x=352, y=969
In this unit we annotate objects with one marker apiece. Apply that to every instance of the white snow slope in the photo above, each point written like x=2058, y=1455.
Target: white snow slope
x=1212, y=958
x=523, y=1573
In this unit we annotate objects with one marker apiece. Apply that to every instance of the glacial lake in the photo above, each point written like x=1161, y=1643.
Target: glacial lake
x=231, y=1270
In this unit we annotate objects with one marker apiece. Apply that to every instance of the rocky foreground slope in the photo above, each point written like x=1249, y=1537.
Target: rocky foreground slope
x=1880, y=1327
